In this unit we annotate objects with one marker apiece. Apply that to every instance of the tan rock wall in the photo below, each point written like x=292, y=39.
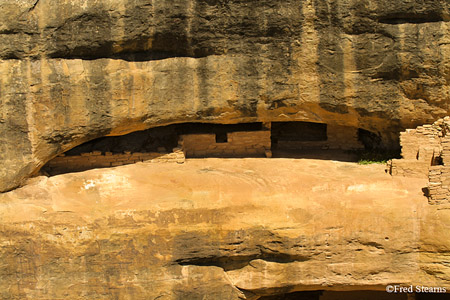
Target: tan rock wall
x=72, y=71
x=240, y=144
x=219, y=229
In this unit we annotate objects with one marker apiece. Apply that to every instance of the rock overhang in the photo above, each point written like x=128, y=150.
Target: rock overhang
x=76, y=72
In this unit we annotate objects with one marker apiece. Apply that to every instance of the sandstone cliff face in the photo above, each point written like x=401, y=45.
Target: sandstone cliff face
x=215, y=229
x=72, y=71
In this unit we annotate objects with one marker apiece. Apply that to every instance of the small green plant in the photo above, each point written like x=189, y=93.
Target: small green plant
x=369, y=162
x=376, y=156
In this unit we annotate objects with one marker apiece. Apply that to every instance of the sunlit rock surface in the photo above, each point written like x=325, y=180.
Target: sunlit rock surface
x=71, y=71
x=220, y=229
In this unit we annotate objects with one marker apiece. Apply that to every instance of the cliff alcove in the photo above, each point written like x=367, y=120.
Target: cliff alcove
x=174, y=143
x=75, y=72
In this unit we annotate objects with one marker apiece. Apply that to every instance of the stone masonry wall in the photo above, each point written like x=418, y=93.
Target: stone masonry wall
x=426, y=153
x=239, y=144
x=439, y=185
x=92, y=160
x=439, y=176
x=421, y=148
x=338, y=137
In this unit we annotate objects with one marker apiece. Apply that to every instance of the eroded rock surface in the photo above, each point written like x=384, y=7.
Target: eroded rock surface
x=219, y=229
x=71, y=71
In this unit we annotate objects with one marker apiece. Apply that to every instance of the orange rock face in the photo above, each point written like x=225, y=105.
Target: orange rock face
x=72, y=71
x=220, y=229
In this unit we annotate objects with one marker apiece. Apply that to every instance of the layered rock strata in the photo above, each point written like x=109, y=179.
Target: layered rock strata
x=72, y=71
x=220, y=229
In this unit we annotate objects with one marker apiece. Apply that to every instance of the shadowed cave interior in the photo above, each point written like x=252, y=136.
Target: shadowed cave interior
x=356, y=295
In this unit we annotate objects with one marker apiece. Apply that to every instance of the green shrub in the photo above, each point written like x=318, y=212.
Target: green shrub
x=376, y=156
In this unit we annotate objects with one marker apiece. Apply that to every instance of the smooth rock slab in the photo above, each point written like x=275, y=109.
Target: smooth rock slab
x=219, y=229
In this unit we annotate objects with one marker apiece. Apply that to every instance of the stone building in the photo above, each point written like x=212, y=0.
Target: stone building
x=228, y=144
x=314, y=136
x=97, y=159
x=426, y=153
x=200, y=140
x=421, y=148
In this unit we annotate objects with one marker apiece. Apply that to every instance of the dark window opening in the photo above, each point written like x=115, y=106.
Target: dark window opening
x=437, y=161
x=221, y=137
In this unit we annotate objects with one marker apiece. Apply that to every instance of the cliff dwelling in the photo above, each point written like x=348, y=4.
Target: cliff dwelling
x=175, y=143
x=315, y=140
x=225, y=149
x=425, y=154
x=171, y=143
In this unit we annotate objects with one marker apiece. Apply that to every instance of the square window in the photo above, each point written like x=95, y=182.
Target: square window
x=221, y=137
